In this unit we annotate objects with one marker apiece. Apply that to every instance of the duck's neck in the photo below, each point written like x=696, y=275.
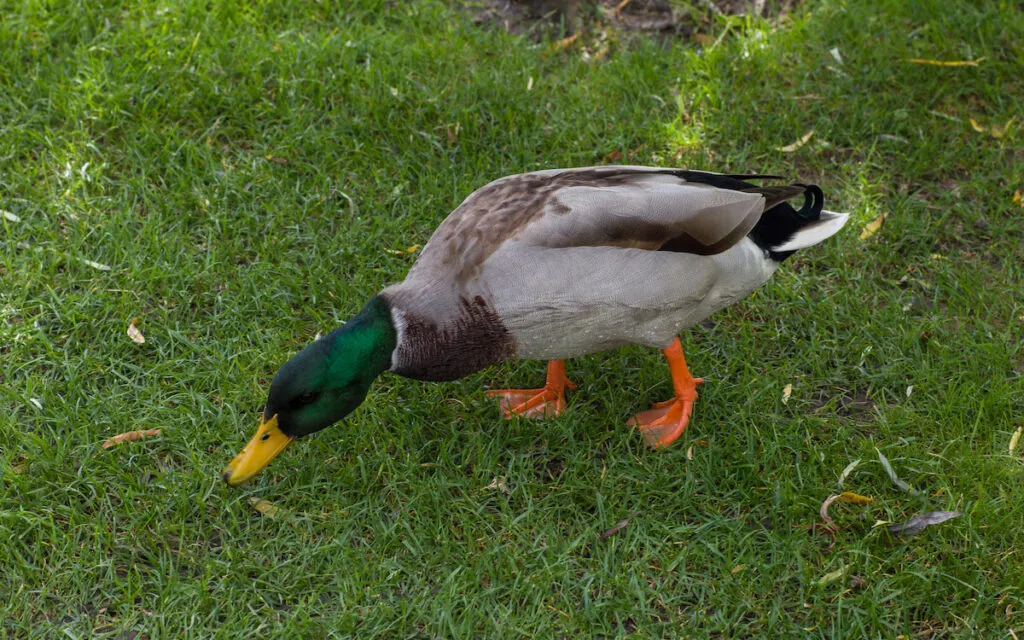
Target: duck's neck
x=372, y=333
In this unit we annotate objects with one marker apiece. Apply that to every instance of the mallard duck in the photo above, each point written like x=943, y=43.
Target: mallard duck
x=551, y=265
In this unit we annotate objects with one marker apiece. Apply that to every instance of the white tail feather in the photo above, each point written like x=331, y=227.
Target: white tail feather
x=826, y=226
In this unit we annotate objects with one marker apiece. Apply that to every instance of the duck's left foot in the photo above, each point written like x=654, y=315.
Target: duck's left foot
x=662, y=424
x=546, y=402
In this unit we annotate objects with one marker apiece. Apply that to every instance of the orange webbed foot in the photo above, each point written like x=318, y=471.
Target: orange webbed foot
x=546, y=402
x=663, y=423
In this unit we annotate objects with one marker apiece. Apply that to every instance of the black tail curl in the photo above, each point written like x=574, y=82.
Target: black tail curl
x=780, y=220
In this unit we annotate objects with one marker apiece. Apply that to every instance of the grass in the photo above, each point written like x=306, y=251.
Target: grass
x=243, y=170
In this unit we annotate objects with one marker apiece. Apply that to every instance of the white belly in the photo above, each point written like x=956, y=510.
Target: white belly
x=562, y=303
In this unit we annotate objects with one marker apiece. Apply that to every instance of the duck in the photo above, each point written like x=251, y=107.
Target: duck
x=552, y=265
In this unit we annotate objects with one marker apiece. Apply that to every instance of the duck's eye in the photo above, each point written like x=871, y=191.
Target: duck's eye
x=306, y=398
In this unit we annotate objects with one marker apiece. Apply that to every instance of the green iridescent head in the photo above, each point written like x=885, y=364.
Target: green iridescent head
x=319, y=386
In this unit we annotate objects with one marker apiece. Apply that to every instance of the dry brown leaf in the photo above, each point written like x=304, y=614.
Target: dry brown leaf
x=847, y=471
x=265, y=507
x=823, y=511
x=135, y=333
x=1015, y=438
x=850, y=497
x=498, y=484
x=401, y=252
x=130, y=436
x=738, y=568
x=99, y=266
x=997, y=131
x=1018, y=198
x=790, y=148
x=703, y=39
x=846, y=496
x=787, y=391
x=619, y=526
x=564, y=43
x=892, y=475
x=872, y=227
x=945, y=63
x=918, y=523
x=831, y=577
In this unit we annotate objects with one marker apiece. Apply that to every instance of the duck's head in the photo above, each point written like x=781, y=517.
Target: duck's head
x=319, y=386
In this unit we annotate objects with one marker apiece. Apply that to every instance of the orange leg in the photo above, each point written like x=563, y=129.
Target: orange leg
x=663, y=423
x=546, y=402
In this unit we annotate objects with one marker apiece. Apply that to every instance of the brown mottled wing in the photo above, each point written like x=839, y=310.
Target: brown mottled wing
x=654, y=212
x=617, y=206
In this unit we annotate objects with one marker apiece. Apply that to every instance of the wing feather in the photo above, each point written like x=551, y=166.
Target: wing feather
x=619, y=206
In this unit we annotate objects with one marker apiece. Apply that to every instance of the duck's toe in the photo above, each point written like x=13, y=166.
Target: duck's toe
x=546, y=402
x=529, y=403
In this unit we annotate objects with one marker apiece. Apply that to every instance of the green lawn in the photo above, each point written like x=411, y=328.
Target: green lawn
x=235, y=176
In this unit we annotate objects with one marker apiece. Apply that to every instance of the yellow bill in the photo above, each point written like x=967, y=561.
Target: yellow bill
x=264, y=447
